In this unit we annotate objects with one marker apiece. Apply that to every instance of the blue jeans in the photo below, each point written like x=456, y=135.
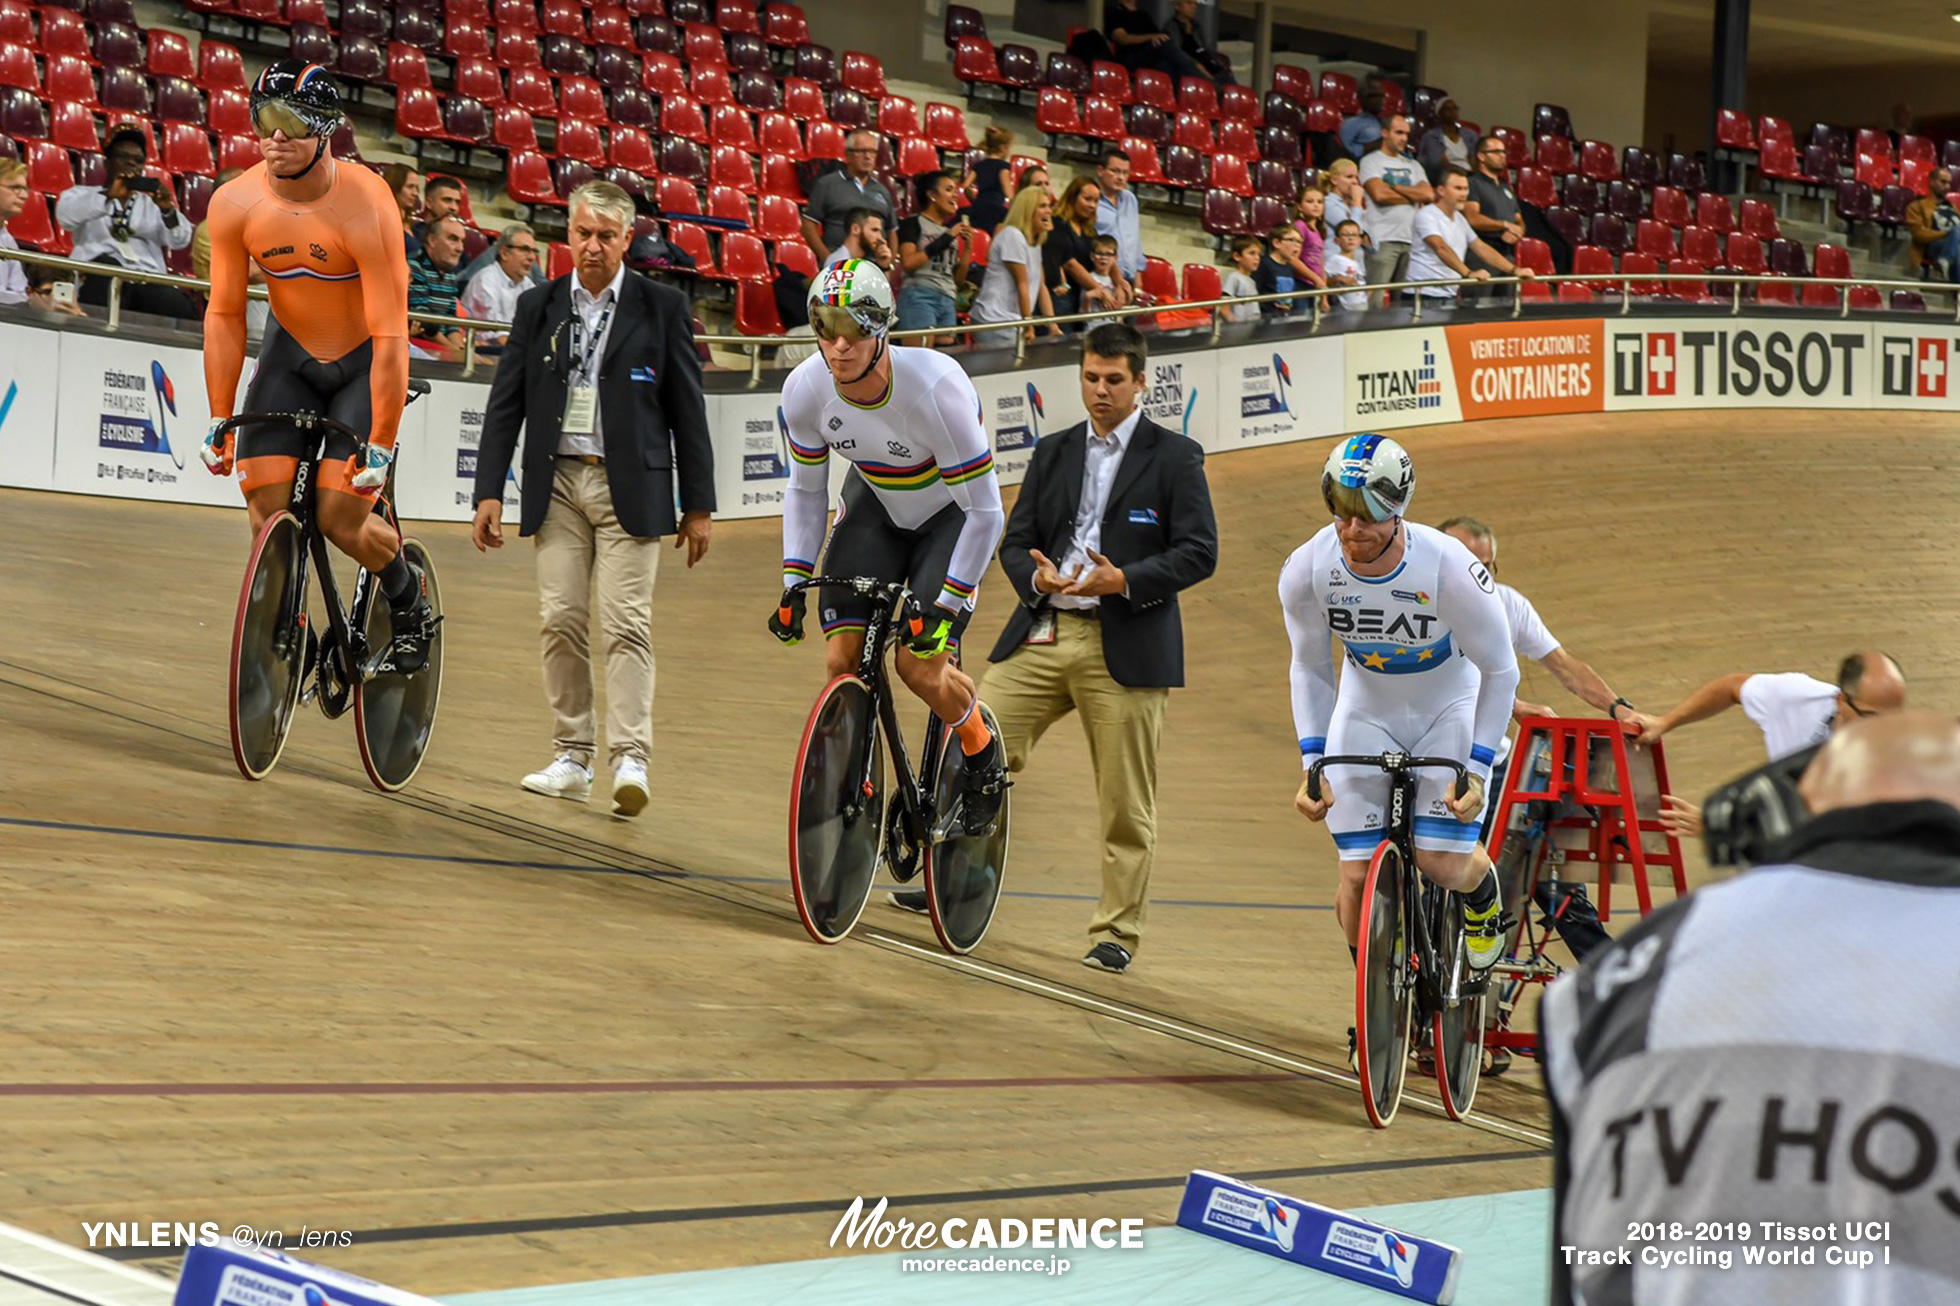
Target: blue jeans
x=920, y=307
x=1947, y=250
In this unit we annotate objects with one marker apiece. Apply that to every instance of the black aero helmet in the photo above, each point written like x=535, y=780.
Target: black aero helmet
x=296, y=97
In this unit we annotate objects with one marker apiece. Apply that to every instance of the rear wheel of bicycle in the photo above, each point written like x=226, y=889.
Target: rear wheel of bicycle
x=268, y=648
x=964, y=872
x=1383, y=992
x=836, y=817
x=396, y=714
x=1458, y=1028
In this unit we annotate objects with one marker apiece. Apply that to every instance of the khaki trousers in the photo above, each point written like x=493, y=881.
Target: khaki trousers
x=1038, y=686
x=581, y=542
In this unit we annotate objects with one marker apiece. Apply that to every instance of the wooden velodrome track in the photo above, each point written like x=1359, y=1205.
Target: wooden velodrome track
x=506, y=1041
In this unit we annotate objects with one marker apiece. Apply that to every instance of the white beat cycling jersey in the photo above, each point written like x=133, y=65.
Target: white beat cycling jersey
x=922, y=448
x=1432, y=631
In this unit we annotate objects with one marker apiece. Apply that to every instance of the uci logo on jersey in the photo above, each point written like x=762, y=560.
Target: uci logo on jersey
x=1373, y=621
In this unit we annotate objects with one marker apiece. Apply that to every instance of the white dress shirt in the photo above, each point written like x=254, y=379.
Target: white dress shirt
x=13, y=273
x=1104, y=458
x=491, y=296
x=590, y=308
x=89, y=214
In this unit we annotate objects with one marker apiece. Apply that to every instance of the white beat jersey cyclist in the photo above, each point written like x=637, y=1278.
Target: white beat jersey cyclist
x=1430, y=672
x=922, y=448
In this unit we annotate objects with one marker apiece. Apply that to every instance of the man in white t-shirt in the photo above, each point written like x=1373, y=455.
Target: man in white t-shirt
x=1396, y=184
x=1794, y=711
x=1442, y=236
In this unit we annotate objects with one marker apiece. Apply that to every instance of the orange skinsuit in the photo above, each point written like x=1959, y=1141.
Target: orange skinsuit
x=337, y=273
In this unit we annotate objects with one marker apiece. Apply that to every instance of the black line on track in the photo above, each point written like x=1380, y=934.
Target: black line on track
x=666, y=873
x=838, y=1205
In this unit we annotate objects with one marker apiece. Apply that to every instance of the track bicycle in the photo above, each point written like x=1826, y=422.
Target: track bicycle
x=840, y=825
x=281, y=659
x=1412, y=966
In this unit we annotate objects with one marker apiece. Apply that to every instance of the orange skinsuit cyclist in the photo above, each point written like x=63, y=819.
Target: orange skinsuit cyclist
x=328, y=238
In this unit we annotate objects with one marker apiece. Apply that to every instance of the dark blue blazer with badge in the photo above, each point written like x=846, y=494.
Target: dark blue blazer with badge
x=653, y=420
x=1157, y=526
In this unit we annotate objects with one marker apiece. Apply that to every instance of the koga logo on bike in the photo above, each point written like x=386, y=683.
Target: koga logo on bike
x=1376, y=1251
x=1744, y=363
x=1914, y=367
x=765, y=456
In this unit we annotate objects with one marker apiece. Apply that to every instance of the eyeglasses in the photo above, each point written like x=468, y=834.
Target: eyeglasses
x=1857, y=711
x=524, y=249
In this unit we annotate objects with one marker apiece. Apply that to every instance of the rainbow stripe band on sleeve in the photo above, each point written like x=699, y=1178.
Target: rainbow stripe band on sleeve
x=807, y=455
x=798, y=567
x=890, y=476
x=955, y=586
x=968, y=471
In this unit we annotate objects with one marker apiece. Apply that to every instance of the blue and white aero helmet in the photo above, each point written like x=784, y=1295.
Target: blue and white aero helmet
x=1368, y=476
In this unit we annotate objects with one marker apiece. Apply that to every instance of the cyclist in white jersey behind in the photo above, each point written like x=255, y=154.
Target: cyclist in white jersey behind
x=920, y=504
x=1430, y=672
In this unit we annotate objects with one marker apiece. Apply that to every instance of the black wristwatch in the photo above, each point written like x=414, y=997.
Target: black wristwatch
x=1617, y=703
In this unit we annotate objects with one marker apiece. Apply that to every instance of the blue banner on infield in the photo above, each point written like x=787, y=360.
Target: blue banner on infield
x=230, y=1273
x=1317, y=1237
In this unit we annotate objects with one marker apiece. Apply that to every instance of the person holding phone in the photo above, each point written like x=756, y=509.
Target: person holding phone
x=129, y=223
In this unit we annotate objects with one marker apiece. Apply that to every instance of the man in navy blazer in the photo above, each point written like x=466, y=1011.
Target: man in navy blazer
x=601, y=371
x=1113, y=521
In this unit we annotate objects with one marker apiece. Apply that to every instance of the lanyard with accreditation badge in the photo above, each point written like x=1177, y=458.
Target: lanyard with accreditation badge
x=582, y=396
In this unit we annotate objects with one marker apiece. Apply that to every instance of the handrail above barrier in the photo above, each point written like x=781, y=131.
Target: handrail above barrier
x=754, y=345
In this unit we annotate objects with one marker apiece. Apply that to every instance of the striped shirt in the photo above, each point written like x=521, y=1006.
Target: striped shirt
x=430, y=289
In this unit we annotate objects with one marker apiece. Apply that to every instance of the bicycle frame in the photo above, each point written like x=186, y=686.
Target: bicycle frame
x=913, y=789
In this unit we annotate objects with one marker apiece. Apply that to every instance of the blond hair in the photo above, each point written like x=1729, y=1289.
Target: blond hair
x=11, y=168
x=996, y=141
x=1020, y=214
x=1338, y=168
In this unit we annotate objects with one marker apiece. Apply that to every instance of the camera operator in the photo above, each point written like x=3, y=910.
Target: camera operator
x=1715, y=1076
x=128, y=223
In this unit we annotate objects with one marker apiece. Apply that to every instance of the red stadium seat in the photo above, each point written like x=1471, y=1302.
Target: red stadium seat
x=1236, y=137
x=1745, y=255
x=1535, y=187
x=777, y=218
x=187, y=148
x=580, y=97
x=513, y=129
x=170, y=55
x=898, y=118
x=517, y=49
x=17, y=25
x=677, y=195
x=1342, y=91
x=744, y=259
x=1637, y=263
x=784, y=26
x=1144, y=168
x=1111, y=81
x=531, y=89
x=755, y=308
x=1158, y=281
x=711, y=86
x=733, y=126
x=1592, y=261
x=694, y=240
x=1240, y=104
x=1230, y=173
x=779, y=177
x=946, y=126
x=1555, y=155
x=730, y=165
x=1155, y=89
x=864, y=74
x=418, y=115
x=1102, y=119
x=1759, y=220
x=1700, y=246
x=238, y=152
x=1655, y=239
x=777, y=133
x=795, y=256
x=407, y=66
x=563, y=18
x=482, y=80
x=1056, y=115
x=825, y=140
x=682, y=117
x=1713, y=213
x=35, y=226
x=1296, y=84
x=49, y=170
x=72, y=127
x=1195, y=132
x=529, y=179
x=917, y=156
x=1670, y=206
x=1202, y=282
x=1733, y=131
x=664, y=76
x=17, y=68
x=1197, y=95
x=975, y=63
x=611, y=25
x=729, y=205
x=1598, y=161
x=71, y=81
x=1223, y=214
x=803, y=100
x=580, y=140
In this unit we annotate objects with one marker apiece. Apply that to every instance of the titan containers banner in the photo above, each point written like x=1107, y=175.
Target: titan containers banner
x=1400, y=378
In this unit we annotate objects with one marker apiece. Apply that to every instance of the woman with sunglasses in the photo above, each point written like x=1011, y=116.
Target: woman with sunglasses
x=920, y=504
x=328, y=239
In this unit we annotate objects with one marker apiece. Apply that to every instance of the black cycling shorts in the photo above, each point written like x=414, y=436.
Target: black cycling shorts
x=290, y=380
x=866, y=542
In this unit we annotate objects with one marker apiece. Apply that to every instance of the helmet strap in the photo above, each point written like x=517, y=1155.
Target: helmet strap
x=319, y=152
x=869, y=368
x=1386, y=547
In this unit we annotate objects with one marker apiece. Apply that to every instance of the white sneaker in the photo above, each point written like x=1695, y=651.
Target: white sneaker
x=629, y=788
x=567, y=777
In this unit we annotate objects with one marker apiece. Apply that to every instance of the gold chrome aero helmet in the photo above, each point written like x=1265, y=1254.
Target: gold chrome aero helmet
x=1368, y=476
x=851, y=300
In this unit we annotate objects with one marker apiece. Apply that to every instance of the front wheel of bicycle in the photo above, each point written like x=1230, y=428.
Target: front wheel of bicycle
x=1383, y=993
x=836, y=811
x=964, y=872
x=395, y=714
x=268, y=647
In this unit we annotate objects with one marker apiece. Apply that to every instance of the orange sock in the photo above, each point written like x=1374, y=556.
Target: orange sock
x=973, y=732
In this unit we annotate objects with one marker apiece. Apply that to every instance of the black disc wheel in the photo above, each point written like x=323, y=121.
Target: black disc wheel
x=395, y=713
x=1384, y=991
x=964, y=872
x=268, y=647
x=836, y=810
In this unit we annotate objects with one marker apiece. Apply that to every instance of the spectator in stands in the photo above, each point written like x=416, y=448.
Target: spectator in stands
x=1106, y=284
x=1309, y=216
x=491, y=295
x=835, y=195
x=1014, y=287
x=1247, y=254
x=1282, y=271
x=1034, y=174
x=16, y=285
x=1443, y=238
x=1341, y=184
x=441, y=198
x=536, y=276
x=1395, y=187
x=1184, y=31
x=935, y=251
x=1901, y=123
x=1118, y=214
x=985, y=184
x=1493, y=210
x=1449, y=142
x=435, y=282
x=406, y=182
x=1066, y=257
x=1360, y=132
x=1344, y=265
x=1935, y=229
x=1140, y=43
x=864, y=237
x=128, y=223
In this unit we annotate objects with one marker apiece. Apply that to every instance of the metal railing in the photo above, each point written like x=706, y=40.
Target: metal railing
x=1415, y=304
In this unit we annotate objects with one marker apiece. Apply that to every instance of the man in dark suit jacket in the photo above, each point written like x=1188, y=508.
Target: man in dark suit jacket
x=1122, y=503
x=601, y=370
